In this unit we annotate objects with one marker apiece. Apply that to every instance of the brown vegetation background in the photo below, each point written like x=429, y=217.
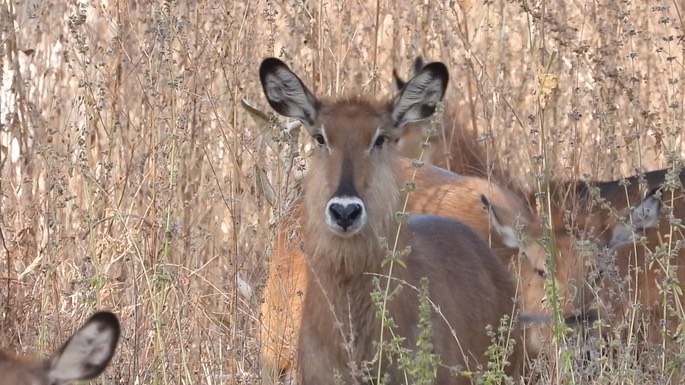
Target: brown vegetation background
x=133, y=180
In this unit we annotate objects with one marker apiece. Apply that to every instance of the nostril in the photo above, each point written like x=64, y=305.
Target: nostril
x=337, y=211
x=354, y=210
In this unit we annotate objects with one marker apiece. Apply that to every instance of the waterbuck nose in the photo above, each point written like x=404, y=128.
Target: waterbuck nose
x=344, y=215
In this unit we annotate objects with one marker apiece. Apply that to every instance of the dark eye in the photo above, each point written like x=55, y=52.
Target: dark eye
x=541, y=273
x=379, y=140
x=319, y=139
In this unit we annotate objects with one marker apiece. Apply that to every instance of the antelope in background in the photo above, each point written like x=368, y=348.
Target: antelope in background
x=647, y=256
x=642, y=272
x=287, y=273
x=595, y=205
x=438, y=192
x=637, y=295
x=84, y=356
x=351, y=194
x=599, y=205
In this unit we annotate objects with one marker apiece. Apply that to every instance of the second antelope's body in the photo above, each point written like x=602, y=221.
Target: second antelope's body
x=351, y=194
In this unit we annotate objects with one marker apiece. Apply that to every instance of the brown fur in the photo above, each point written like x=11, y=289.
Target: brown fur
x=578, y=218
x=452, y=147
x=584, y=214
x=575, y=205
x=443, y=193
x=468, y=284
x=21, y=370
x=638, y=277
x=630, y=300
x=283, y=297
x=482, y=297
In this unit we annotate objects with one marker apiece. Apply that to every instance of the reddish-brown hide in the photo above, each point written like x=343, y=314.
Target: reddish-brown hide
x=641, y=285
x=596, y=206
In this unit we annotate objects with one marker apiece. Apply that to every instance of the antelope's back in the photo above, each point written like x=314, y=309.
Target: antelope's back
x=467, y=282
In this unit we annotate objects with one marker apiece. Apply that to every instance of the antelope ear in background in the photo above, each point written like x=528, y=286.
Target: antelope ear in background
x=399, y=83
x=420, y=96
x=501, y=220
x=644, y=216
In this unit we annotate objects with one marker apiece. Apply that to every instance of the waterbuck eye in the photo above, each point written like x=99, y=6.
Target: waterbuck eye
x=380, y=139
x=320, y=139
x=541, y=273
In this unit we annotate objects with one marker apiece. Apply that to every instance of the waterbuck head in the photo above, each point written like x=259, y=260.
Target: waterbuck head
x=353, y=185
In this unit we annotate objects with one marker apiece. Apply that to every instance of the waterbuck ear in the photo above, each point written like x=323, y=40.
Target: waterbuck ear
x=88, y=352
x=398, y=82
x=286, y=93
x=644, y=216
x=264, y=125
x=418, y=64
x=421, y=94
x=502, y=222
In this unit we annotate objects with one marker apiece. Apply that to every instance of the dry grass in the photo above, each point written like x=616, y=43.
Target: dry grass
x=133, y=180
